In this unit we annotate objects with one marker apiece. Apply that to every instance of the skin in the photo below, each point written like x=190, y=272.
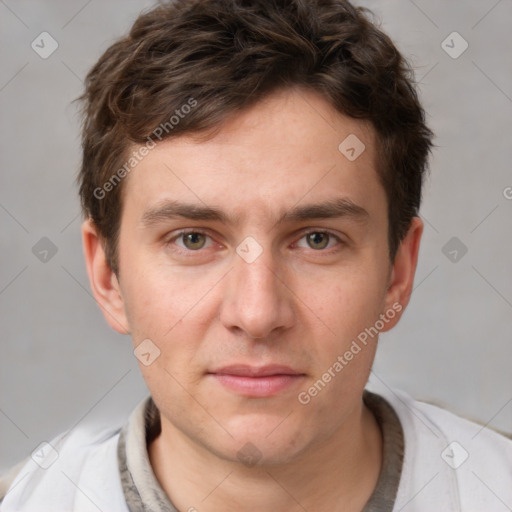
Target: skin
x=299, y=303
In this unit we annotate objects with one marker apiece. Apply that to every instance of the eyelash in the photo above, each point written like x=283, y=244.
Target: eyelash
x=189, y=252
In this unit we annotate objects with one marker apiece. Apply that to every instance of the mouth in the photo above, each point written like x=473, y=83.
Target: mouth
x=257, y=382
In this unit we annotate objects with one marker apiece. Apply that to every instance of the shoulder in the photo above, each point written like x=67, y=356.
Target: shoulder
x=455, y=462
x=57, y=473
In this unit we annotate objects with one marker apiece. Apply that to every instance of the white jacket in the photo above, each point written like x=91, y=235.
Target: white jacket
x=450, y=465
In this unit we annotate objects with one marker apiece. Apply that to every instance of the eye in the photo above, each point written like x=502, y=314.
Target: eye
x=192, y=241
x=319, y=240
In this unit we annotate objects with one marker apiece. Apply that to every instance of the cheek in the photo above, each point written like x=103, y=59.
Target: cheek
x=347, y=303
x=160, y=300
x=170, y=310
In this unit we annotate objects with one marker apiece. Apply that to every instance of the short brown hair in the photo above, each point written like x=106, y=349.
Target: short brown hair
x=226, y=55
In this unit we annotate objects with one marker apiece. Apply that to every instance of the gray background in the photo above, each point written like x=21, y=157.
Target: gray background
x=61, y=364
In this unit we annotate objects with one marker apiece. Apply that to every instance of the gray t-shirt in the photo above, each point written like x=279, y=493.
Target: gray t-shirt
x=143, y=492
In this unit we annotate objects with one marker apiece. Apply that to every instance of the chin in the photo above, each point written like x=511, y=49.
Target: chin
x=265, y=441
x=258, y=453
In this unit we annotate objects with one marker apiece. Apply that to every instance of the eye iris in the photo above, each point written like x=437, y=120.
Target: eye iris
x=316, y=238
x=192, y=237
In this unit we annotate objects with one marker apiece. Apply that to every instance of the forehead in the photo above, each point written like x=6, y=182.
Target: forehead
x=293, y=146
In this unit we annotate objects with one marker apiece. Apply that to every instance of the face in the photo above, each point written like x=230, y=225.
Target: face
x=283, y=264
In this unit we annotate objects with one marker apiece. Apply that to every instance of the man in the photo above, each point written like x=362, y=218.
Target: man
x=251, y=182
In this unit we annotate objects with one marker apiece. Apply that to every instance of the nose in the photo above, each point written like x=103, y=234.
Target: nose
x=257, y=301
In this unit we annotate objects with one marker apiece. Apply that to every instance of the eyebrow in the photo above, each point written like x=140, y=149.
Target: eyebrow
x=171, y=209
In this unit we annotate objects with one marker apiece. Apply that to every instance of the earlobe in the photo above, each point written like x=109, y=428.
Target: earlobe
x=103, y=281
x=403, y=270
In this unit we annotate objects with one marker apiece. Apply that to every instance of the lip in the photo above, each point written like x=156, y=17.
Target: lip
x=257, y=381
x=245, y=370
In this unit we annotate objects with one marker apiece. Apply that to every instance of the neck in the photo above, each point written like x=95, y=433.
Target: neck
x=338, y=473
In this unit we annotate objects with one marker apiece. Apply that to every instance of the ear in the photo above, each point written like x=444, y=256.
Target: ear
x=104, y=284
x=401, y=278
